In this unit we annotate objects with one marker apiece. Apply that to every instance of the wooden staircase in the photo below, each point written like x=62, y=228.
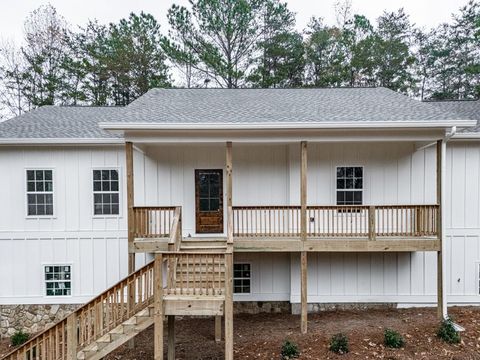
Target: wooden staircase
x=117, y=336
x=99, y=326
x=198, y=281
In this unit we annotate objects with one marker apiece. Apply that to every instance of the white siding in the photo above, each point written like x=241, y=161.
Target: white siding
x=263, y=175
x=165, y=175
x=270, y=277
x=96, y=247
x=396, y=174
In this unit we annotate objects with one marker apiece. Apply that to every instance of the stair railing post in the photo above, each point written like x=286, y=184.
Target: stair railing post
x=72, y=337
x=158, y=307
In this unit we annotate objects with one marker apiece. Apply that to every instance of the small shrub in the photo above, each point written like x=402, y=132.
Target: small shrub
x=339, y=344
x=19, y=337
x=393, y=339
x=289, y=350
x=447, y=332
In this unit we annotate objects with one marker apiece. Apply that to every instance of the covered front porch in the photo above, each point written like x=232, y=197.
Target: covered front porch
x=289, y=196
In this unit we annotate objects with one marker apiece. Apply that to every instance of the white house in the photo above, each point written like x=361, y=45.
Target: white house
x=324, y=196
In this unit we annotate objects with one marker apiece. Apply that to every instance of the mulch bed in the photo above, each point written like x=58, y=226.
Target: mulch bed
x=261, y=336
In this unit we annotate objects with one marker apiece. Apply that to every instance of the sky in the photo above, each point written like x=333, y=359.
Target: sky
x=424, y=13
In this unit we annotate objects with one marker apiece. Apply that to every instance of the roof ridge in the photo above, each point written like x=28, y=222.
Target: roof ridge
x=449, y=100
x=261, y=88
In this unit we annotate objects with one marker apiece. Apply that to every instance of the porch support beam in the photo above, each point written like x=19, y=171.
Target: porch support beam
x=171, y=337
x=441, y=288
x=303, y=234
x=130, y=203
x=218, y=328
x=228, y=309
x=130, y=215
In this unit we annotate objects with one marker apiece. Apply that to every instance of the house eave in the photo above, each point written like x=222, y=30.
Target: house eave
x=62, y=141
x=122, y=126
x=467, y=136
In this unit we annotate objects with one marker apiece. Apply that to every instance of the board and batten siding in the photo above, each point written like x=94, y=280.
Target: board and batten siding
x=95, y=246
x=165, y=175
x=394, y=173
x=397, y=174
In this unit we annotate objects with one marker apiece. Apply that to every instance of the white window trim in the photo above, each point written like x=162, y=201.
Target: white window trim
x=120, y=193
x=25, y=191
x=335, y=184
x=251, y=278
x=44, y=282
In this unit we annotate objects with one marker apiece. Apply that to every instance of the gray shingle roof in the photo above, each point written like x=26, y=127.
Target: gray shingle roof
x=226, y=106
x=466, y=109
x=211, y=106
x=56, y=122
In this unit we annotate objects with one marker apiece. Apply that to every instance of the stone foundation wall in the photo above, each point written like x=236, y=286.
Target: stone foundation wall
x=319, y=307
x=257, y=307
x=31, y=318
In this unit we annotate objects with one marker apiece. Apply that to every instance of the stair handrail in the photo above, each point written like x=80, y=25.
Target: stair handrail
x=40, y=343
x=175, y=239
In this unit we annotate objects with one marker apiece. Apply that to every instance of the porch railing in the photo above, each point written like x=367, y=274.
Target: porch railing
x=360, y=221
x=153, y=221
x=198, y=274
x=267, y=221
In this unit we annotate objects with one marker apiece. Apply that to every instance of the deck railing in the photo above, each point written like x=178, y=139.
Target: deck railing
x=153, y=221
x=91, y=321
x=267, y=221
x=360, y=221
x=193, y=273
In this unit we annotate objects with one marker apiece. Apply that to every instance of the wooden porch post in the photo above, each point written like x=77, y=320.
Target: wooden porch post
x=130, y=224
x=130, y=204
x=303, y=235
x=171, y=337
x=441, y=168
x=158, y=307
x=228, y=308
x=218, y=329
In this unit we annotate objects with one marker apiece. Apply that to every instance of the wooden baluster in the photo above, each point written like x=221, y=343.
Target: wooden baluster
x=371, y=223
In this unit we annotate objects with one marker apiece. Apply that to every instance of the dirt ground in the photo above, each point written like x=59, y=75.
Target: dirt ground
x=261, y=336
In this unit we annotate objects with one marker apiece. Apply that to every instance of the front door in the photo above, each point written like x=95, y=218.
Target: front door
x=209, y=201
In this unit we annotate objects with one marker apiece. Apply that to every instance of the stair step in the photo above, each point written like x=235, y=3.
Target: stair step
x=144, y=313
x=204, y=239
x=128, y=328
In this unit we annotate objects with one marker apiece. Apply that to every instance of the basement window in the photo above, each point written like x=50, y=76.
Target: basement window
x=241, y=278
x=39, y=192
x=106, y=192
x=58, y=280
x=349, y=185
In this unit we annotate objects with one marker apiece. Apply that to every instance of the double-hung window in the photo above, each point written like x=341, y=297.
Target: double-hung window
x=58, y=280
x=39, y=192
x=106, y=192
x=349, y=185
x=241, y=278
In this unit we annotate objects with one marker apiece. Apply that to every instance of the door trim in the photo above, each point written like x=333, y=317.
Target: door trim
x=219, y=214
